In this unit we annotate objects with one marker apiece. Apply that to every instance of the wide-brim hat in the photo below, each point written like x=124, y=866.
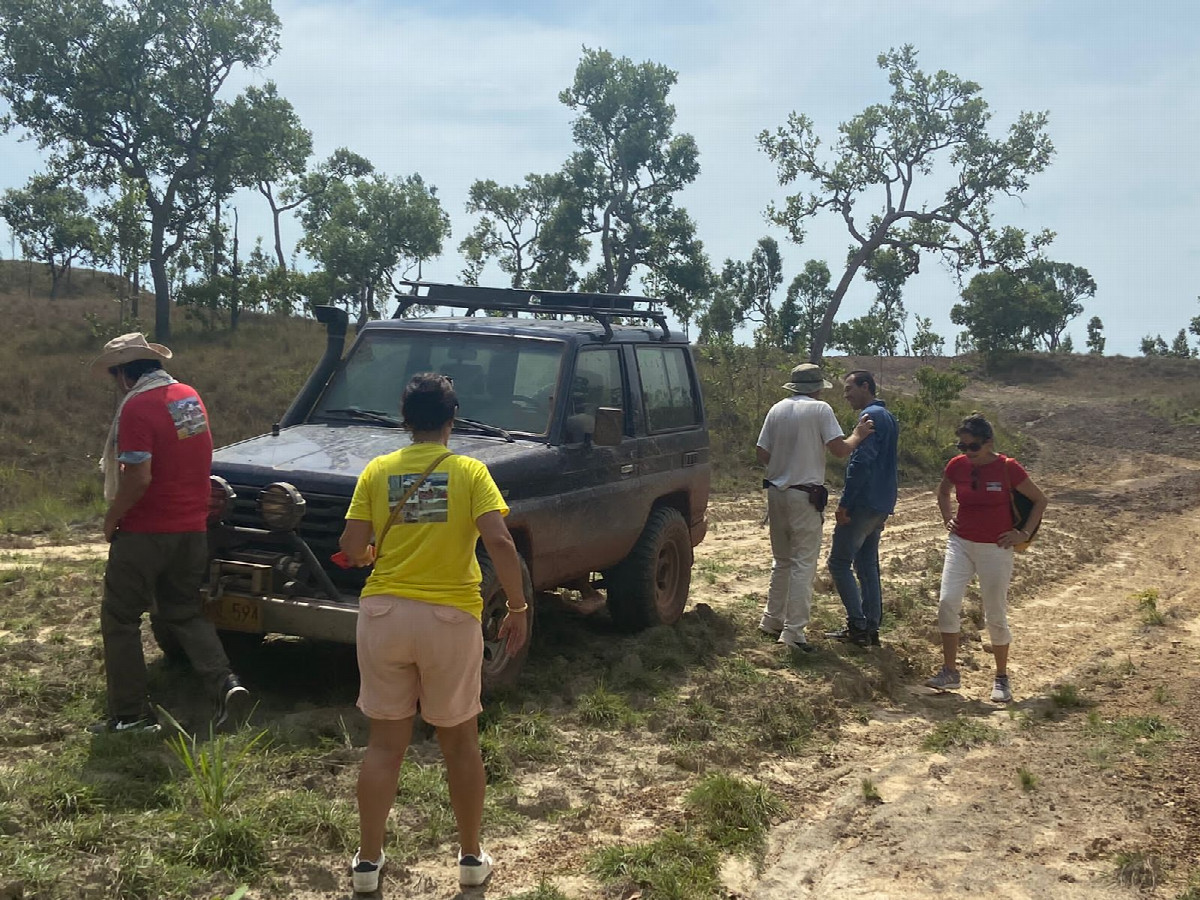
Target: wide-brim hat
x=807, y=379
x=127, y=348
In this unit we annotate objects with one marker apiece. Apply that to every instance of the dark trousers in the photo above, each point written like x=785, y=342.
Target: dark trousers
x=160, y=574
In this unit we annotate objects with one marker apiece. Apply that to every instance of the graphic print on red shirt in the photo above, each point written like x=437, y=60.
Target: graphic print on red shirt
x=171, y=424
x=984, y=510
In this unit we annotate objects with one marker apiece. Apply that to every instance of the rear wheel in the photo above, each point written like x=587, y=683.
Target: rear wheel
x=650, y=586
x=500, y=666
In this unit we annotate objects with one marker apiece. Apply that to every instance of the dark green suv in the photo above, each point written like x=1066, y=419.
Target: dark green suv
x=594, y=431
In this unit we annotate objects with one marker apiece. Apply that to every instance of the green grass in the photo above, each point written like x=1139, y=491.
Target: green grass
x=544, y=891
x=959, y=732
x=1067, y=696
x=1027, y=779
x=604, y=709
x=733, y=813
x=1137, y=869
x=1147, y=604
x=675, y=866
x=1144, y=735
x=870, y=793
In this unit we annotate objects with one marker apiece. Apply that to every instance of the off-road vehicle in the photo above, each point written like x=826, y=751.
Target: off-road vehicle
x=593, y=429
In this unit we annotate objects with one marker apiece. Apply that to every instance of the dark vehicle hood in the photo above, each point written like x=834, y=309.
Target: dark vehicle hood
x=329, y=456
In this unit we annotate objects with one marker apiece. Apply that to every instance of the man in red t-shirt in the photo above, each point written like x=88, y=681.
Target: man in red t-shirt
x=156, y=465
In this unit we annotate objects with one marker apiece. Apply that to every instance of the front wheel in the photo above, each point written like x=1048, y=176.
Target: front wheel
x=650, y=586
x=501, y=667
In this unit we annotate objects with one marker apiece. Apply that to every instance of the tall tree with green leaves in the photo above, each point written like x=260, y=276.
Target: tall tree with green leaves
x=919, y=173
x=996, y=310
x=531, y=230
x=804, y=309
x=53, y=225
x=274, y=157
x=628, y=167
x=1095, y=336
x=134, y=88
x=1062, y=288
x=360, y=230
x=127, y=237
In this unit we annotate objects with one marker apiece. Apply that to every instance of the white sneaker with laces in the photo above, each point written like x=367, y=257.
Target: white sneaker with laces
x=366, y=873
x=474, y=870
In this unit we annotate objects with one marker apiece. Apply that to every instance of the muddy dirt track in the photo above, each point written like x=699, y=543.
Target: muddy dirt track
x=1050, y=809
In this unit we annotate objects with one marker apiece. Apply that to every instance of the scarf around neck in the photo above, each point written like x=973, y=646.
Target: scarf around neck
x=108, y=460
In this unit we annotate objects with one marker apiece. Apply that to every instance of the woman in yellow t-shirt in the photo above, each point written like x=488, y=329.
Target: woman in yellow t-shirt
x=419, y=636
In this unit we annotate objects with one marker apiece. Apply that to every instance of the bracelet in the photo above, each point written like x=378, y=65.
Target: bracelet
x=516, y=609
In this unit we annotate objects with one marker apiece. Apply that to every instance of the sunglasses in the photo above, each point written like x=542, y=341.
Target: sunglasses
x=973, y=446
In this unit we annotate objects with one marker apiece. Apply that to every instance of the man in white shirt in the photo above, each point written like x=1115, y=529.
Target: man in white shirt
x=791, y=447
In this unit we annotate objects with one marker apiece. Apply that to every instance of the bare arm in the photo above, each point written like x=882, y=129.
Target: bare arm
x=841, y=447
x=132, y=483
x=1040, y=502
x=944, y=492
x=355, y=542
x=764, y=456
x=500, y=547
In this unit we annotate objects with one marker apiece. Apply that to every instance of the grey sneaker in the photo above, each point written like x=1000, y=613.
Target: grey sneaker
x=474, y=870
x=945, y=680
x=1002, y=690
x=800, y=646
x=366, y=873
x=233, y=703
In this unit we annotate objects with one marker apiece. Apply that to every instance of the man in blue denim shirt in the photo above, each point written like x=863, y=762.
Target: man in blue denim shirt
x=868, y=498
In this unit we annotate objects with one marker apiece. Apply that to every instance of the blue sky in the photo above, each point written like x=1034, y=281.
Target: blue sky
x=462, y=90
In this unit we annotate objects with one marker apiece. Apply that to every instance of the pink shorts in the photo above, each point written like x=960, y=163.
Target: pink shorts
x=412, y=652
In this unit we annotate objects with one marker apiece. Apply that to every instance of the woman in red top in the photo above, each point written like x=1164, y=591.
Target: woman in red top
x=981, y=543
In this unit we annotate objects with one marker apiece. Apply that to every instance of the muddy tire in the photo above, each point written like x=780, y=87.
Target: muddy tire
x=501, y=668
x=650, y=586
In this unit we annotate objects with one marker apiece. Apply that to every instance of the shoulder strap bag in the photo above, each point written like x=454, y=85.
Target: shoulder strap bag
x=1021, y=507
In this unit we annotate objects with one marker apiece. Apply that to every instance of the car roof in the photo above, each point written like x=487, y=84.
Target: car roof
x=574, y=331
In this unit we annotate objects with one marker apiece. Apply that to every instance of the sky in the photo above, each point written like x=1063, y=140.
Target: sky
x=460, y=90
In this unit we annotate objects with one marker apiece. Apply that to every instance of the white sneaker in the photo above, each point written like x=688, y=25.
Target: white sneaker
x=1002, y=690
x=366, y=873
x=474, y=870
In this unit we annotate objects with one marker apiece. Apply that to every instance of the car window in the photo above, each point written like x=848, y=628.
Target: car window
x=596, y=383
x=501, y=380
x=666, y=388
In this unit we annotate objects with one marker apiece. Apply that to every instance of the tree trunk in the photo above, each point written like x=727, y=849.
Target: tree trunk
x=821, y=338
x=278, y=240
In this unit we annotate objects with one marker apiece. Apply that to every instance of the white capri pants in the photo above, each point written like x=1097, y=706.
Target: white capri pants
x=994, y=566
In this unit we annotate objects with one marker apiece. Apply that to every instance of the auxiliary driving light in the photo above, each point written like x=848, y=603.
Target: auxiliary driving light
x=220, y=499
x=281, y=506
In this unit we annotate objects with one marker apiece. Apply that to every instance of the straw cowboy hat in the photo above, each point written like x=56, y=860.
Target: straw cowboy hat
x=127, y=348
x=807, y=379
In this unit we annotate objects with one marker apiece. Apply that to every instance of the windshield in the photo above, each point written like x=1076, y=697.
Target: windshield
x=503, y=381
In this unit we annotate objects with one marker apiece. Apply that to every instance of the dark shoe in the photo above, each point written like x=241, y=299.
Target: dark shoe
x=124, y=724
x=860, y=637
x=233, y=704
x=875, y=642
x=801, y=646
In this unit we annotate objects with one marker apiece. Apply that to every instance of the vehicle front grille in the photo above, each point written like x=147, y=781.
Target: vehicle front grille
x=324, y=517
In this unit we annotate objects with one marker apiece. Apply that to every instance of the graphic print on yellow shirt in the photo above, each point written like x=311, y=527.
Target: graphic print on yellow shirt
x=429, y=553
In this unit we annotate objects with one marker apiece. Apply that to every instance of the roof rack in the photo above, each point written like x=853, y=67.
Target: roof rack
x=601, y=307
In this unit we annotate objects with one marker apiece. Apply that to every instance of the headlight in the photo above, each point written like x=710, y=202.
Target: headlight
x=220, y=499
x=281, y=506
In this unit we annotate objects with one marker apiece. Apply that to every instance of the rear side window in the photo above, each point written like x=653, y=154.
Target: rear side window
x=666, y=388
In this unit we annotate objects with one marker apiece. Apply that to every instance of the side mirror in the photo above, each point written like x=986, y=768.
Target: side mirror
x=610, y=425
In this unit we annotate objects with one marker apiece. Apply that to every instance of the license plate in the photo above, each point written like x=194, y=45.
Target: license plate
x=235, y=613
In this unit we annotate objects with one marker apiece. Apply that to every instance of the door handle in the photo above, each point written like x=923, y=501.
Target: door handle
x=627, y=469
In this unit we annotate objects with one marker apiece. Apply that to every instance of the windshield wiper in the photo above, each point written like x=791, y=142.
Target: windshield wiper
x=369, y=415
x=484, y=427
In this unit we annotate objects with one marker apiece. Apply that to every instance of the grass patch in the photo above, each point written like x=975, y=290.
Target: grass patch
x=673, y=867
x=216, y=768
x=1027, y=779
x=1137, y=869
x=1067, y=696
x=1147, y=605
x=605, y=709
x=733, y=813
x=959, y=732
x=544, y=891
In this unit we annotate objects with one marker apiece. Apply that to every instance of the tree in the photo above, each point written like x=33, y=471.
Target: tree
x=118, y=87
x=360, y=230
x=277, y=154
x=52, y=224
x=1066, y=345
x=127, y=238
x=808, y=298
x=1062, y=287
x=889, y=269
x=883, y=176
x=531, y=230
x=925, y=342
x=996, y=312
x=1155, y=346
x=1095, y=338
x=1179, y=346
x=629, y=166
